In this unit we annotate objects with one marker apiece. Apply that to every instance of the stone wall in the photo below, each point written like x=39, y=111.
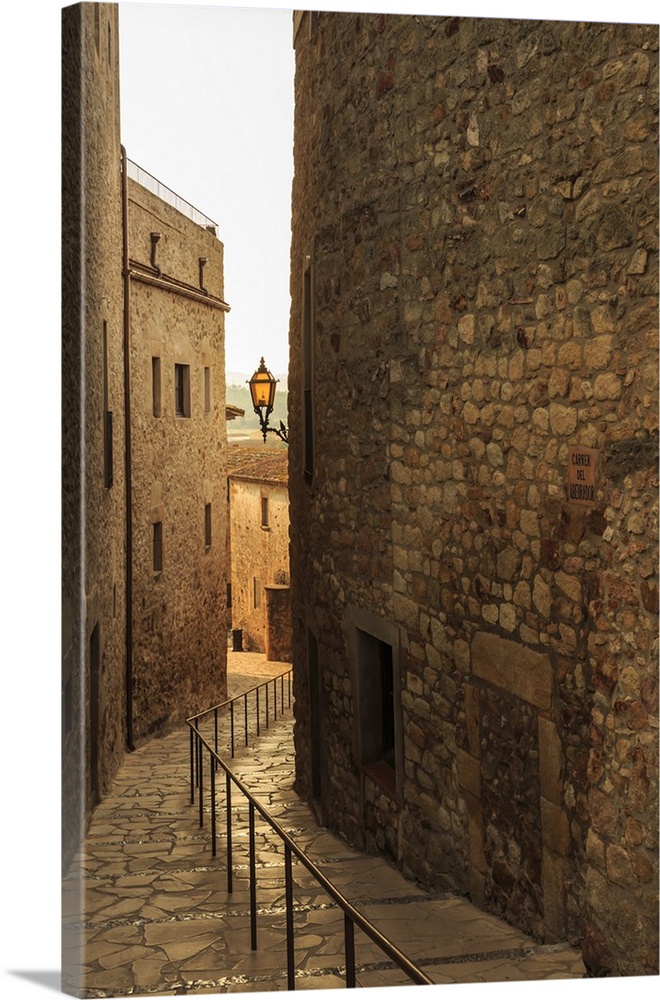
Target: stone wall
x=277, y=626
x=93, y=543
x=258, y=553
x=178, y=466
x=475, y=208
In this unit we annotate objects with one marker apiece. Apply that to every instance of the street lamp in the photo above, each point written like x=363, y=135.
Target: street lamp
x=262, y=390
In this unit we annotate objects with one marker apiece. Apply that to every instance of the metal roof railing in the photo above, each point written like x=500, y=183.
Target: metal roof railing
x=151, y=183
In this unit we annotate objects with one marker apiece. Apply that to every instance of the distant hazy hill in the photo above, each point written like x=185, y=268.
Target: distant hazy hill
x=240, y=378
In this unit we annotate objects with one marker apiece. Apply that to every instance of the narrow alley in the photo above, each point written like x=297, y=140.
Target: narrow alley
x=157, y=918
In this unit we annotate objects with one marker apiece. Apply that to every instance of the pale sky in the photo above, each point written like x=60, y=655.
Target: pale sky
x=206, y=96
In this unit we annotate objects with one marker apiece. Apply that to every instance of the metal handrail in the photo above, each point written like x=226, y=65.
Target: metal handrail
x=285, y=676
x=352, y=916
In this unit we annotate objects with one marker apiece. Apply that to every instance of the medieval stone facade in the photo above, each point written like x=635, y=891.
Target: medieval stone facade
x=474, y=461
x=259, y=549
x=179, y=497
x=144, y=504
x=93, y=546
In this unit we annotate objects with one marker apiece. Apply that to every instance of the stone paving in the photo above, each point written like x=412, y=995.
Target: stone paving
x=147, y=911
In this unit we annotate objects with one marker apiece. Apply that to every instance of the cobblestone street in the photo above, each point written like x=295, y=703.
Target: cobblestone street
x=151, y=906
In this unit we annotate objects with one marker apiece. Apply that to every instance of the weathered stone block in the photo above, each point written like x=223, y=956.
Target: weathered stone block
x=475, y=832
x=553, y=881
x=468, y=772
x=551, y=761
x=513, y=667
x=555, y=828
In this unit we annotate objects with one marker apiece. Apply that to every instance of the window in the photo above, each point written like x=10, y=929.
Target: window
x=308, y=375
x=264, y=512
x=373, y=645
x=207, y=526
x=107, y=450
x=155, y=385
x=108, y=467
x=207, y=390
x=256, y=593
x=377, y=697
x=157, y=547
x=182, y=390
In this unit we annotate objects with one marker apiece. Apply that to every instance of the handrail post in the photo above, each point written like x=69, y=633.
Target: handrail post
x=216, y=736
x=192, y=768
x=231, y=714
x=258, y=722
x=197, y=752
x=275, y=699
x=201, y=781
x=230, y=866
x=349, y=951
x=266, y=704
x=253, y=884
x=212, y=762
x=246, y=717
x=290, y=952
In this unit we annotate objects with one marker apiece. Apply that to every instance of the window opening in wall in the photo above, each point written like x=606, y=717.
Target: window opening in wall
x=375, y=678
x=229, y=595
x=256, y=593
x=109, y=474
x=182, y=390
x=157, y=546
x=155, y=386
x=375, y=683
x=109, y=46
x=387, y=704
x=207, y=525
x=108, y=466
x=207, y=390
x=97, y=29
x=264, y=512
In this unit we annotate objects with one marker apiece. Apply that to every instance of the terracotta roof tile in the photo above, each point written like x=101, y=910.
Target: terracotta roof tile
x=264, y=465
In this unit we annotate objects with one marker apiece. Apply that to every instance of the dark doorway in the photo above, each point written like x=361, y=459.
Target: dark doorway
x=315, y=722
x=387, y=704
x=376, y=700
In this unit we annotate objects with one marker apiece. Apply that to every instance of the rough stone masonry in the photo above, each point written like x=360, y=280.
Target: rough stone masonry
x=475, y=301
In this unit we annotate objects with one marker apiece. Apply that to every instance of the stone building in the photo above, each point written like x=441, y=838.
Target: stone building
x=178, y=447
x=259, y=549
x=94, y=630
x=144, y=562
x=474, y=461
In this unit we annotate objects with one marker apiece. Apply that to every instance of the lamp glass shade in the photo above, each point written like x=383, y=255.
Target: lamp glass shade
x=262, y=387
